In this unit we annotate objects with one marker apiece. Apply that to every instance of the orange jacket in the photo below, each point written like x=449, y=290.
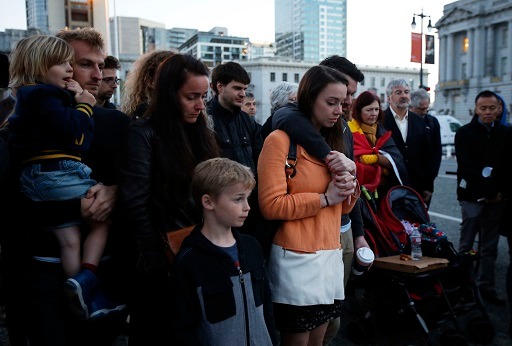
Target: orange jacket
x=308, y=227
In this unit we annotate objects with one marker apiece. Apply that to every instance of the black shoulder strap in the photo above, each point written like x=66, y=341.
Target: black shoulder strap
x=291, y=160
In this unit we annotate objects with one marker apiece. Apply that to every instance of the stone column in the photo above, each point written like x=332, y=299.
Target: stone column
x=471, y=53
x=449, y=57
x=478, y=66
x=509, y=49
x=442, y=58
x=489, y=50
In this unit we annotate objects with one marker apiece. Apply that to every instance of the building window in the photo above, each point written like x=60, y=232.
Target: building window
x=285, y=77
x=272, y=76
x=383, y=82
x=372, y=82
x=296, y=78
x=504, y=66
x=504, y=39
x=463, y=71
x=465, y=45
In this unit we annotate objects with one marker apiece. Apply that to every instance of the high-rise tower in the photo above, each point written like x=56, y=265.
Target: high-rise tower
x=311, y=30
x=50, y=16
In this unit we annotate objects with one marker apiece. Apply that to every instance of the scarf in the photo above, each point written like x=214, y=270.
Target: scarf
x=370, y=132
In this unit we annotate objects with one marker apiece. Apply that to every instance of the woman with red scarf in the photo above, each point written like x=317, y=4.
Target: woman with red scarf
x=380, y=165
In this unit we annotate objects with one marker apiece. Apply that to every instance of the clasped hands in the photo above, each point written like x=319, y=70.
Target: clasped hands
x=343, y=171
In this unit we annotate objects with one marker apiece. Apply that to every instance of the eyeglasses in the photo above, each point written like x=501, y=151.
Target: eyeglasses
x=111, y=80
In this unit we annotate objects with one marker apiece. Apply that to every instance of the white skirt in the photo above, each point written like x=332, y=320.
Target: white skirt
x=304, y=279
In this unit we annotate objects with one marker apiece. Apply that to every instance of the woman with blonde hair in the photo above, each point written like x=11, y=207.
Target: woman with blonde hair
x=139, y=85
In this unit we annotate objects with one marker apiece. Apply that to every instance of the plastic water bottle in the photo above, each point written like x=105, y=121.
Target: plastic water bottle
x=416, y=253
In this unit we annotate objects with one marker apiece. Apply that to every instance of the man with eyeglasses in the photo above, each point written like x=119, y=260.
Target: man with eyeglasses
x=109, y=83
x=410, y=136
x=420, y=102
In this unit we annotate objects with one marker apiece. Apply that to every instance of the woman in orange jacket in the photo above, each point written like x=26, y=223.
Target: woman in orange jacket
x=305, y=266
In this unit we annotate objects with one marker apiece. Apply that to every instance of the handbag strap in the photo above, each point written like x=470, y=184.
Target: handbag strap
x=291, y=160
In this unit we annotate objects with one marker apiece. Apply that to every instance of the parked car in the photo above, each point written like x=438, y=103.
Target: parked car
x=449, y=125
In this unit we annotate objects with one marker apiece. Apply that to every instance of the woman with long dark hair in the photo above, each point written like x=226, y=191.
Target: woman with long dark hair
x=163, y=148
x=305, y=265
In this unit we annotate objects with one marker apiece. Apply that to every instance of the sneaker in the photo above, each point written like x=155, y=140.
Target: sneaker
x=102, y=306
x=79, y=289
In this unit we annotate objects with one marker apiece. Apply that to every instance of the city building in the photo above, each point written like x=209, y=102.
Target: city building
x=267, y=72
x=310, y=30
x=377, y=78
x=51, y=16
x=136, y=36
x=216, y=46
x=261, y=49
x=10, y=38
x=178, y=36
x=475, y=53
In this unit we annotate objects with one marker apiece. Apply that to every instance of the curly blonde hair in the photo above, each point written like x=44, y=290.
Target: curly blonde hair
x=139, y=83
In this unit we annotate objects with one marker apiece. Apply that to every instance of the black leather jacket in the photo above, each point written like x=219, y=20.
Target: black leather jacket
x=150, y=209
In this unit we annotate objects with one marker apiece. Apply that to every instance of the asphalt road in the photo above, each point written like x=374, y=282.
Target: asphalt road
x=445, y=212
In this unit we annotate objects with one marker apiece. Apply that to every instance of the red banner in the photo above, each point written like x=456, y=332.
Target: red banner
x=415, y=47
x=429, y=49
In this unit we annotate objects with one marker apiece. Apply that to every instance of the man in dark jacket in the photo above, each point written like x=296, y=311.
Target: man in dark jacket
x=237, y=133
x=410, y=136
x=420, y=102
x=480, y=147
x=32, y=255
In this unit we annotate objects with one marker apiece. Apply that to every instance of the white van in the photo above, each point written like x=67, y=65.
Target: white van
x=449, y=125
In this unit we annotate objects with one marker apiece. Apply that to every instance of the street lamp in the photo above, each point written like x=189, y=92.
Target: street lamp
x=429, y=28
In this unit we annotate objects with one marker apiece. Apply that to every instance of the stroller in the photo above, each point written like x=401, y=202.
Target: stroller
x=427, y=300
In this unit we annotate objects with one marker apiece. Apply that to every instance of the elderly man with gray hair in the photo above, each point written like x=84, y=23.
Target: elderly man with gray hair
x=280, y=95
x=410, y=135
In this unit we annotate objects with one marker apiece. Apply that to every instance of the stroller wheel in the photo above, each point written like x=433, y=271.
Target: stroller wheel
x=481, y=330
x=359, y=330
x=452, y=337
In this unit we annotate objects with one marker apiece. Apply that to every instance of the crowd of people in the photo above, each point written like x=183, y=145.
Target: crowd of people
x=92, y=188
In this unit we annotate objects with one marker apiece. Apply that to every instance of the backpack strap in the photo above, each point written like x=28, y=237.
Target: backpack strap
x=291, y=161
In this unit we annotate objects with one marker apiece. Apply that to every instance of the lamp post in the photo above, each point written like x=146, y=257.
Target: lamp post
x=429, y=27
x=116, y=50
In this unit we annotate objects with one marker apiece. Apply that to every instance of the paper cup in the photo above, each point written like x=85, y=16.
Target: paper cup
x=362, y=260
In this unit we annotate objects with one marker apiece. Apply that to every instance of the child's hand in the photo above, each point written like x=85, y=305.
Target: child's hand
x=81, y=95
x=73, y=86
x=85, y=97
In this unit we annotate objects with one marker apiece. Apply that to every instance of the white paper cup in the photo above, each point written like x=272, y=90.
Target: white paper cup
x=362, y=260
